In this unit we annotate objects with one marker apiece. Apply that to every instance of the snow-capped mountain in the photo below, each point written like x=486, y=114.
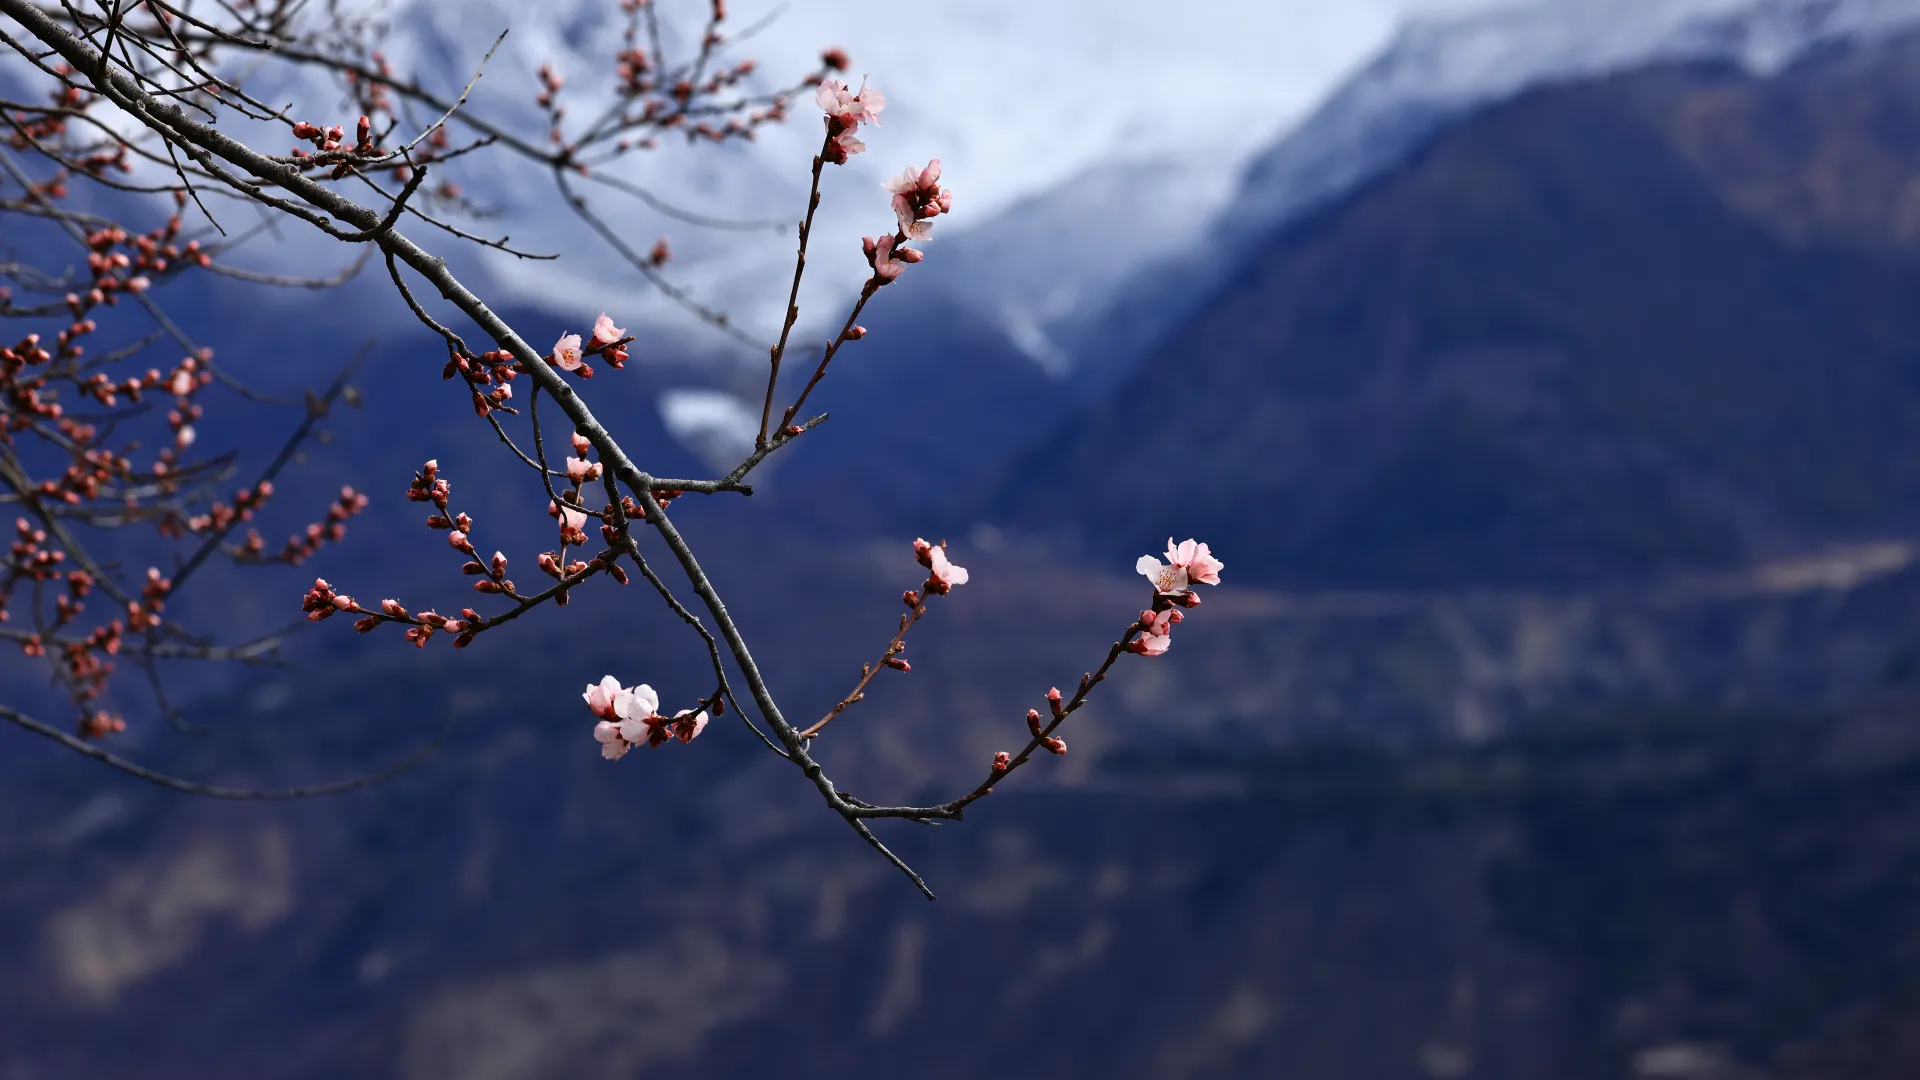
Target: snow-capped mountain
x=1437, y=70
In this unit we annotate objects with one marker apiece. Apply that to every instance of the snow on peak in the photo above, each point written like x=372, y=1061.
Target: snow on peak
x=1438, y=69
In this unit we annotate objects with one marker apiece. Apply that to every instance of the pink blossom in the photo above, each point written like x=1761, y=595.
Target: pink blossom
x=623, y=715
x=636, y=708
x=613, y=745
x=945, y=574
x=566, y=351
x=917, y=198
x=687, y=724
x=881, y=255
x=601, y=697
x=1156, y=632
x=572, y=518
x=845, y=113
x=846, y=144
x=850, y=109
x=604, y=332
x=1168, y=580
x=579, y=470
x=1196, y=560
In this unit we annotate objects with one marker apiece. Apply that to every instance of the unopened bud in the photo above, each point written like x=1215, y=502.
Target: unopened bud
x=1055, y=745
x=1053, y=700
x=910, y=598
x=898, y=664
x=1033, y=722
x=1001, y=760
x=366, y=624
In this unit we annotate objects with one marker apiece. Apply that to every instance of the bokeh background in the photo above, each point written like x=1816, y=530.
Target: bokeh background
x=1547, y=375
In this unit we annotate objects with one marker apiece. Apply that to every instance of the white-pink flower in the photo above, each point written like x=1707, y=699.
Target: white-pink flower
x=579, y=470
x=886, y=263
x=850, y=107
x=613, y=745
x=566, y=351
x=918, y=198
x=1168, y=580
x=846, y=111
x=945, y=573
x=623, y=715
x=1196, y=560
x=600, y=697
x=604, y=332
x=572, y=518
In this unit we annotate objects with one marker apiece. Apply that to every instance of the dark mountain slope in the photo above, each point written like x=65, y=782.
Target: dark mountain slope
x=1660, y=320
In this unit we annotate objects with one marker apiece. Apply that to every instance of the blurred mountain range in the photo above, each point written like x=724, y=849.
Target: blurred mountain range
x=1556, y=718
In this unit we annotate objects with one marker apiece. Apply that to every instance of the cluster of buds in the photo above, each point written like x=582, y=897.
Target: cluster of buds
x=609, y=342
x=183, y=383
x=302, y=545
x=144, y=614
x=628, y=717
x=489, y=377
x=661, y=95
x=846, y=110
x=330, y=145
x=29, y=556
x=1186, y=563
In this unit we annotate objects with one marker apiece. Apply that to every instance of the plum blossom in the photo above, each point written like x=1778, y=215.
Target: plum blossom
x=566, y=352
x=687, y=724
x=579, y=470
x=945, y=575
x=846, y=111
x=1196, y=560
x=624, y=715
x=1187, y=562
x=917, y=198
x=613, y=746
x=604, y=332
x=600, y=697
x=1156, y=632
x=886, y=258
x=1168, y=580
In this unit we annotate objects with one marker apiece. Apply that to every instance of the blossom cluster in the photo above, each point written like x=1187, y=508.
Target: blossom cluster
x=607, y=341
x=629, y=716
x=846, y=110
x=1186, y=563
